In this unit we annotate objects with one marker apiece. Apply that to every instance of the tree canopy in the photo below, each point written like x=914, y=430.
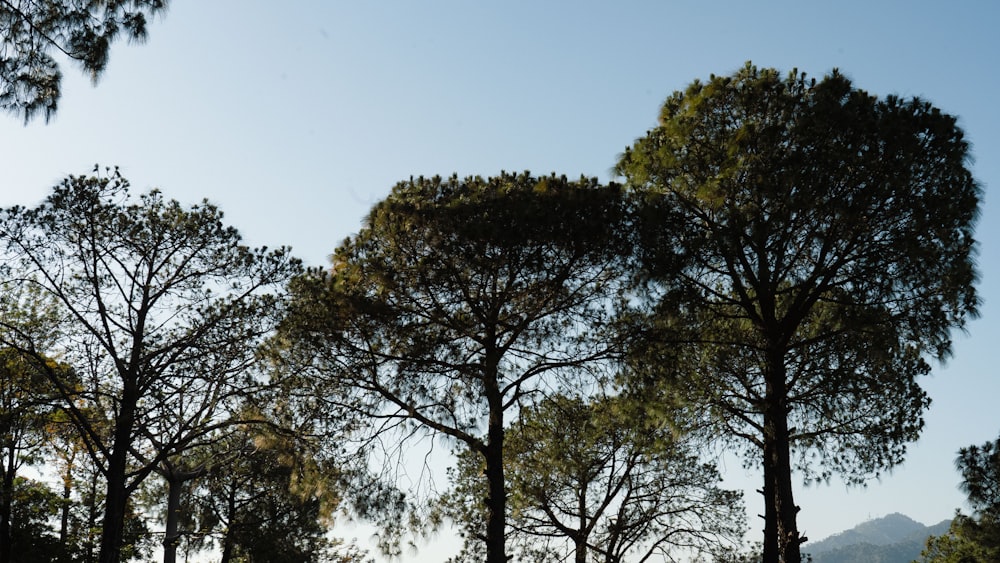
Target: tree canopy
x=158, y=308
x=459, y=302
x=973, y=538
x=808, y=246
x=595, y=480
x=28, y=403
x=81, y=30
x=980, y=469
x=784, y=262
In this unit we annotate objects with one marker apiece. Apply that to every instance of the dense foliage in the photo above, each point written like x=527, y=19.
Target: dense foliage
x=786, y=258
x=158, y=308
x=82, y=30
x=460, y=301
x=973, y=538
x=808, y=246
x=594, y=480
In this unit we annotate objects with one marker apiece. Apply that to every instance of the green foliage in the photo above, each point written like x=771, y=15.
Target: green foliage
x=32, y=537
x=969, y=540
x=894, y=538
x=82, y=30
x=980, y=469
x=746, y=555
x=27, y=400
x=160, y=309
x=459, y=301
x=807, y=245
x=27, y=403
x=83, y=505
x=975, y=538
x=454, y=283
x=895, y=553
x=34, y=540
x=594, y=478
x=268, y=504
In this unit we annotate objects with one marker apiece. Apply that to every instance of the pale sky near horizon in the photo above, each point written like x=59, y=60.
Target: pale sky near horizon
x=295, y=117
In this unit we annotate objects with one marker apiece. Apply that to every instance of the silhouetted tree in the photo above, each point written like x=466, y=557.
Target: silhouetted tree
x=973, y=538
x=807, y=246
x=159, y=309
x=458, y=302
x=82, y=30
x=980, y=469
x=595, y=481
x=26, y=404
x=31, y=535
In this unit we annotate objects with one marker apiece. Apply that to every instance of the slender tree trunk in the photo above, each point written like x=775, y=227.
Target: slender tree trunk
x=789, y=541
x=115, y=502
x=6, y=502
x=116, y=499
x=496, y=502
x=170, y=537
x=770, y=554
x=580, y=539
x=781, y=536
x=227, y=539
x=227, y=550
x=175, y=478
x=91, y=517
x=67, y=493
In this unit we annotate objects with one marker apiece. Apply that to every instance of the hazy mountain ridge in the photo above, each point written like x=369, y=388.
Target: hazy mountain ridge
x=894, y=538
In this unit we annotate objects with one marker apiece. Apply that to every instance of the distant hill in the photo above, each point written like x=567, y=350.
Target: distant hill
x=891, y=539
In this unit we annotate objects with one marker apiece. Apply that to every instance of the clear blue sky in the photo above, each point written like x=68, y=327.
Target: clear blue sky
x=295, y=117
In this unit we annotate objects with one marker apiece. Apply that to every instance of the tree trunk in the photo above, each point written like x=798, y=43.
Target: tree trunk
x=113, y=525
x=175, y=478
x=580, y=545
x=116, y=500
x=227, y=550
x=170, y=537
x=6, y=502
x=781, y=536
x=496, y=502
x=67, y=493
x=92, y=510
x=581, y=537
x=788, y=532
x=227, y=539
x=770, y=548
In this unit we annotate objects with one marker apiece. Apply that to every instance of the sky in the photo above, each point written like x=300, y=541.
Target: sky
x=296, y=117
